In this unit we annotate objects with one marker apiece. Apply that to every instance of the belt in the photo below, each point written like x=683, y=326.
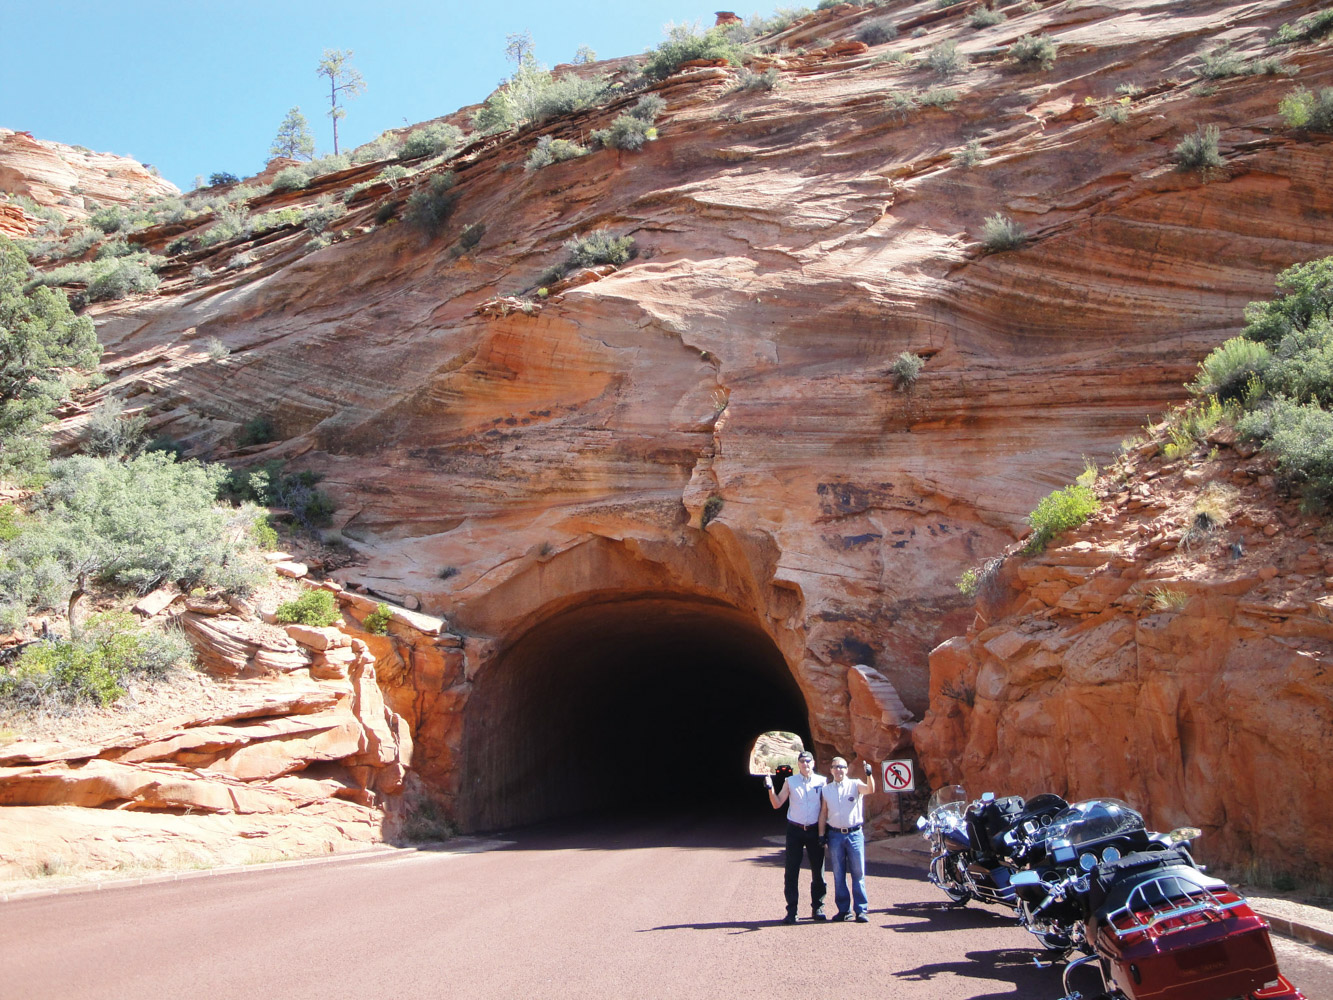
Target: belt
x=845, y=829
x=802, y=826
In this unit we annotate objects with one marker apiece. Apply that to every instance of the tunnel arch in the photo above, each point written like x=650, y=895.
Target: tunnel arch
x=620, y=701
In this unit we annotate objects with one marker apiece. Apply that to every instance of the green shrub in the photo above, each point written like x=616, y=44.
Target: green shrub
x=315, y=607
x=901, y=103
x=256, y=430
x=469, y=237
x=686, y=43
x=1224, y=61
x=383, y=147
x=377, y=621
x=548, y=151
x=1200, y=150
x=1309, y=28
x=132, y=523
x=264, y=534
x=385, y=212
x=877, y=32
x=1303, y=109
x=429, y=140
x=429, y=207
x=222, y=178
x=937, y=97
x=289, y=179
x=319, y=217
x=232, y=221
x=626, y=132
x=92, y=669
x=712, y=508
x=269, y=485
x=999, y=233
x=1228, y=371
x=1117, y=112
x=985, y=17
x=1309, y=301
x=906, y=369
x=276, y=219
x=1300, y=437
x=970, y=155
x=110, y=219
x=123, y=278
x=565, y=96
x=111, y=433
x=1033, y=52
x=1058, y=512
x=749, y=82
x=598, y=247
x=40, y=340
x=946, y=60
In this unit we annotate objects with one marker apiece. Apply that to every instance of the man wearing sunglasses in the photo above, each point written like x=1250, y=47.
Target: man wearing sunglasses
x=841, y=814
x=801, y=792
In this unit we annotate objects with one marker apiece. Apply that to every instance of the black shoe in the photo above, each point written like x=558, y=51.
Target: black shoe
x=790, y=918
x=861, y=918
x=838, y=917
x=819, y=917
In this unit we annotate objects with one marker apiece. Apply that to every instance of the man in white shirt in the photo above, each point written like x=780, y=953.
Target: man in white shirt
x=841, y=814
x=801, y=792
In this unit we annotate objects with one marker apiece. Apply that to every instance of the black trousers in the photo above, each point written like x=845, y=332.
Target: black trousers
x=803, y=842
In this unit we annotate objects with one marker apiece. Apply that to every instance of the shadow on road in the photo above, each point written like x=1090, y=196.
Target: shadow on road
x=940, y=915
x=1008, y=965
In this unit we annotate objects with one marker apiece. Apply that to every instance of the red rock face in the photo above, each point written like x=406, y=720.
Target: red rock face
x=65, y=178
x=791, y=245
x=1184, y=670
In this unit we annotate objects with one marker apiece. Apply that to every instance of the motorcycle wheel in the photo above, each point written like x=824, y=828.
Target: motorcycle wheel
x=958, y=897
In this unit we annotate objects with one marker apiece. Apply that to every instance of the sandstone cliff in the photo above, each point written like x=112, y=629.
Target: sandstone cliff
x=67, y=178
x=1174, y=652
x=536, y=469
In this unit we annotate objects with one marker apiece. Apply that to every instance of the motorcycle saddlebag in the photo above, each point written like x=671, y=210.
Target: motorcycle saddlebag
x=1200, y=952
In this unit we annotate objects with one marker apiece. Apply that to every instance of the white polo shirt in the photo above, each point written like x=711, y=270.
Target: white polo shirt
x=844, y=803
x=803, y=798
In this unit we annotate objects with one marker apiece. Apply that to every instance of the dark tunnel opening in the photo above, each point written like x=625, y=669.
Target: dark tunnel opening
x=643, y=704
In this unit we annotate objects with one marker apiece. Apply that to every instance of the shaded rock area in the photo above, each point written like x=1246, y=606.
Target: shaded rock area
x=1175, y=652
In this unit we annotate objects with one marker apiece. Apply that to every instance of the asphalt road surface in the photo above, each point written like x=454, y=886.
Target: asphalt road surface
x=613, y=911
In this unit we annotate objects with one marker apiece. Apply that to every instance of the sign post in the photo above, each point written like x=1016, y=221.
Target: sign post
x=898, y=777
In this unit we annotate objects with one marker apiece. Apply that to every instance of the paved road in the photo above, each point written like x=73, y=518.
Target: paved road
x=614, y=912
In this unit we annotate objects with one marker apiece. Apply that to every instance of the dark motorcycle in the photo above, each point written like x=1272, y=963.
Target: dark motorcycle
x=1151, y=922
x=977, y=846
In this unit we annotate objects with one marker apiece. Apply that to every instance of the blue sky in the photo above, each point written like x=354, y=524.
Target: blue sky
x=195, y=88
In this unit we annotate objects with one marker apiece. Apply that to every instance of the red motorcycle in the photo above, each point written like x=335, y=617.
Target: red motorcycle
x=1152, y=924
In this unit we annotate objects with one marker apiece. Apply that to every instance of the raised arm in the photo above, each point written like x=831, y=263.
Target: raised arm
x=867, y=787
x=777, y=799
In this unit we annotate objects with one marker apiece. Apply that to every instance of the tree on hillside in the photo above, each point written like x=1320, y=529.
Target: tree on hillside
x=294, y=138
x=40, y=341
x=343, y=79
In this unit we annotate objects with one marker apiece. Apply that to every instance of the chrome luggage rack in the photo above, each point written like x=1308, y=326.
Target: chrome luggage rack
x=1176, y=899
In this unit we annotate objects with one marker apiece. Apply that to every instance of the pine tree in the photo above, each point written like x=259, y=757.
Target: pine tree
x=343, y=79
x=294, y=138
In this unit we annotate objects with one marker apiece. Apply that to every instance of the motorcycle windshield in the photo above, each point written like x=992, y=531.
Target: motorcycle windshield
x=949, y=795
x=1093, y=821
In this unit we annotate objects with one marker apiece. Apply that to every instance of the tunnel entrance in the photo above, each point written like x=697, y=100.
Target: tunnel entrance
x=640, y=703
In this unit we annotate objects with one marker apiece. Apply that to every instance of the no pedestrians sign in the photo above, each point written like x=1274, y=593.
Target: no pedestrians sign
x=898, y=776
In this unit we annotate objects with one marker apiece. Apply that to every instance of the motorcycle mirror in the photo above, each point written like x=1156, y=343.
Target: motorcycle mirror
x=774, y=749
x=1181, y=834
x=922, y=822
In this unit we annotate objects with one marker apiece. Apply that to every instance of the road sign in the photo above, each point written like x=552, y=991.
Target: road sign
x=898, y=776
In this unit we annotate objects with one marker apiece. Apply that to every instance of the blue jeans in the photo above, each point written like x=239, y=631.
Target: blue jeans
x=847, y=855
